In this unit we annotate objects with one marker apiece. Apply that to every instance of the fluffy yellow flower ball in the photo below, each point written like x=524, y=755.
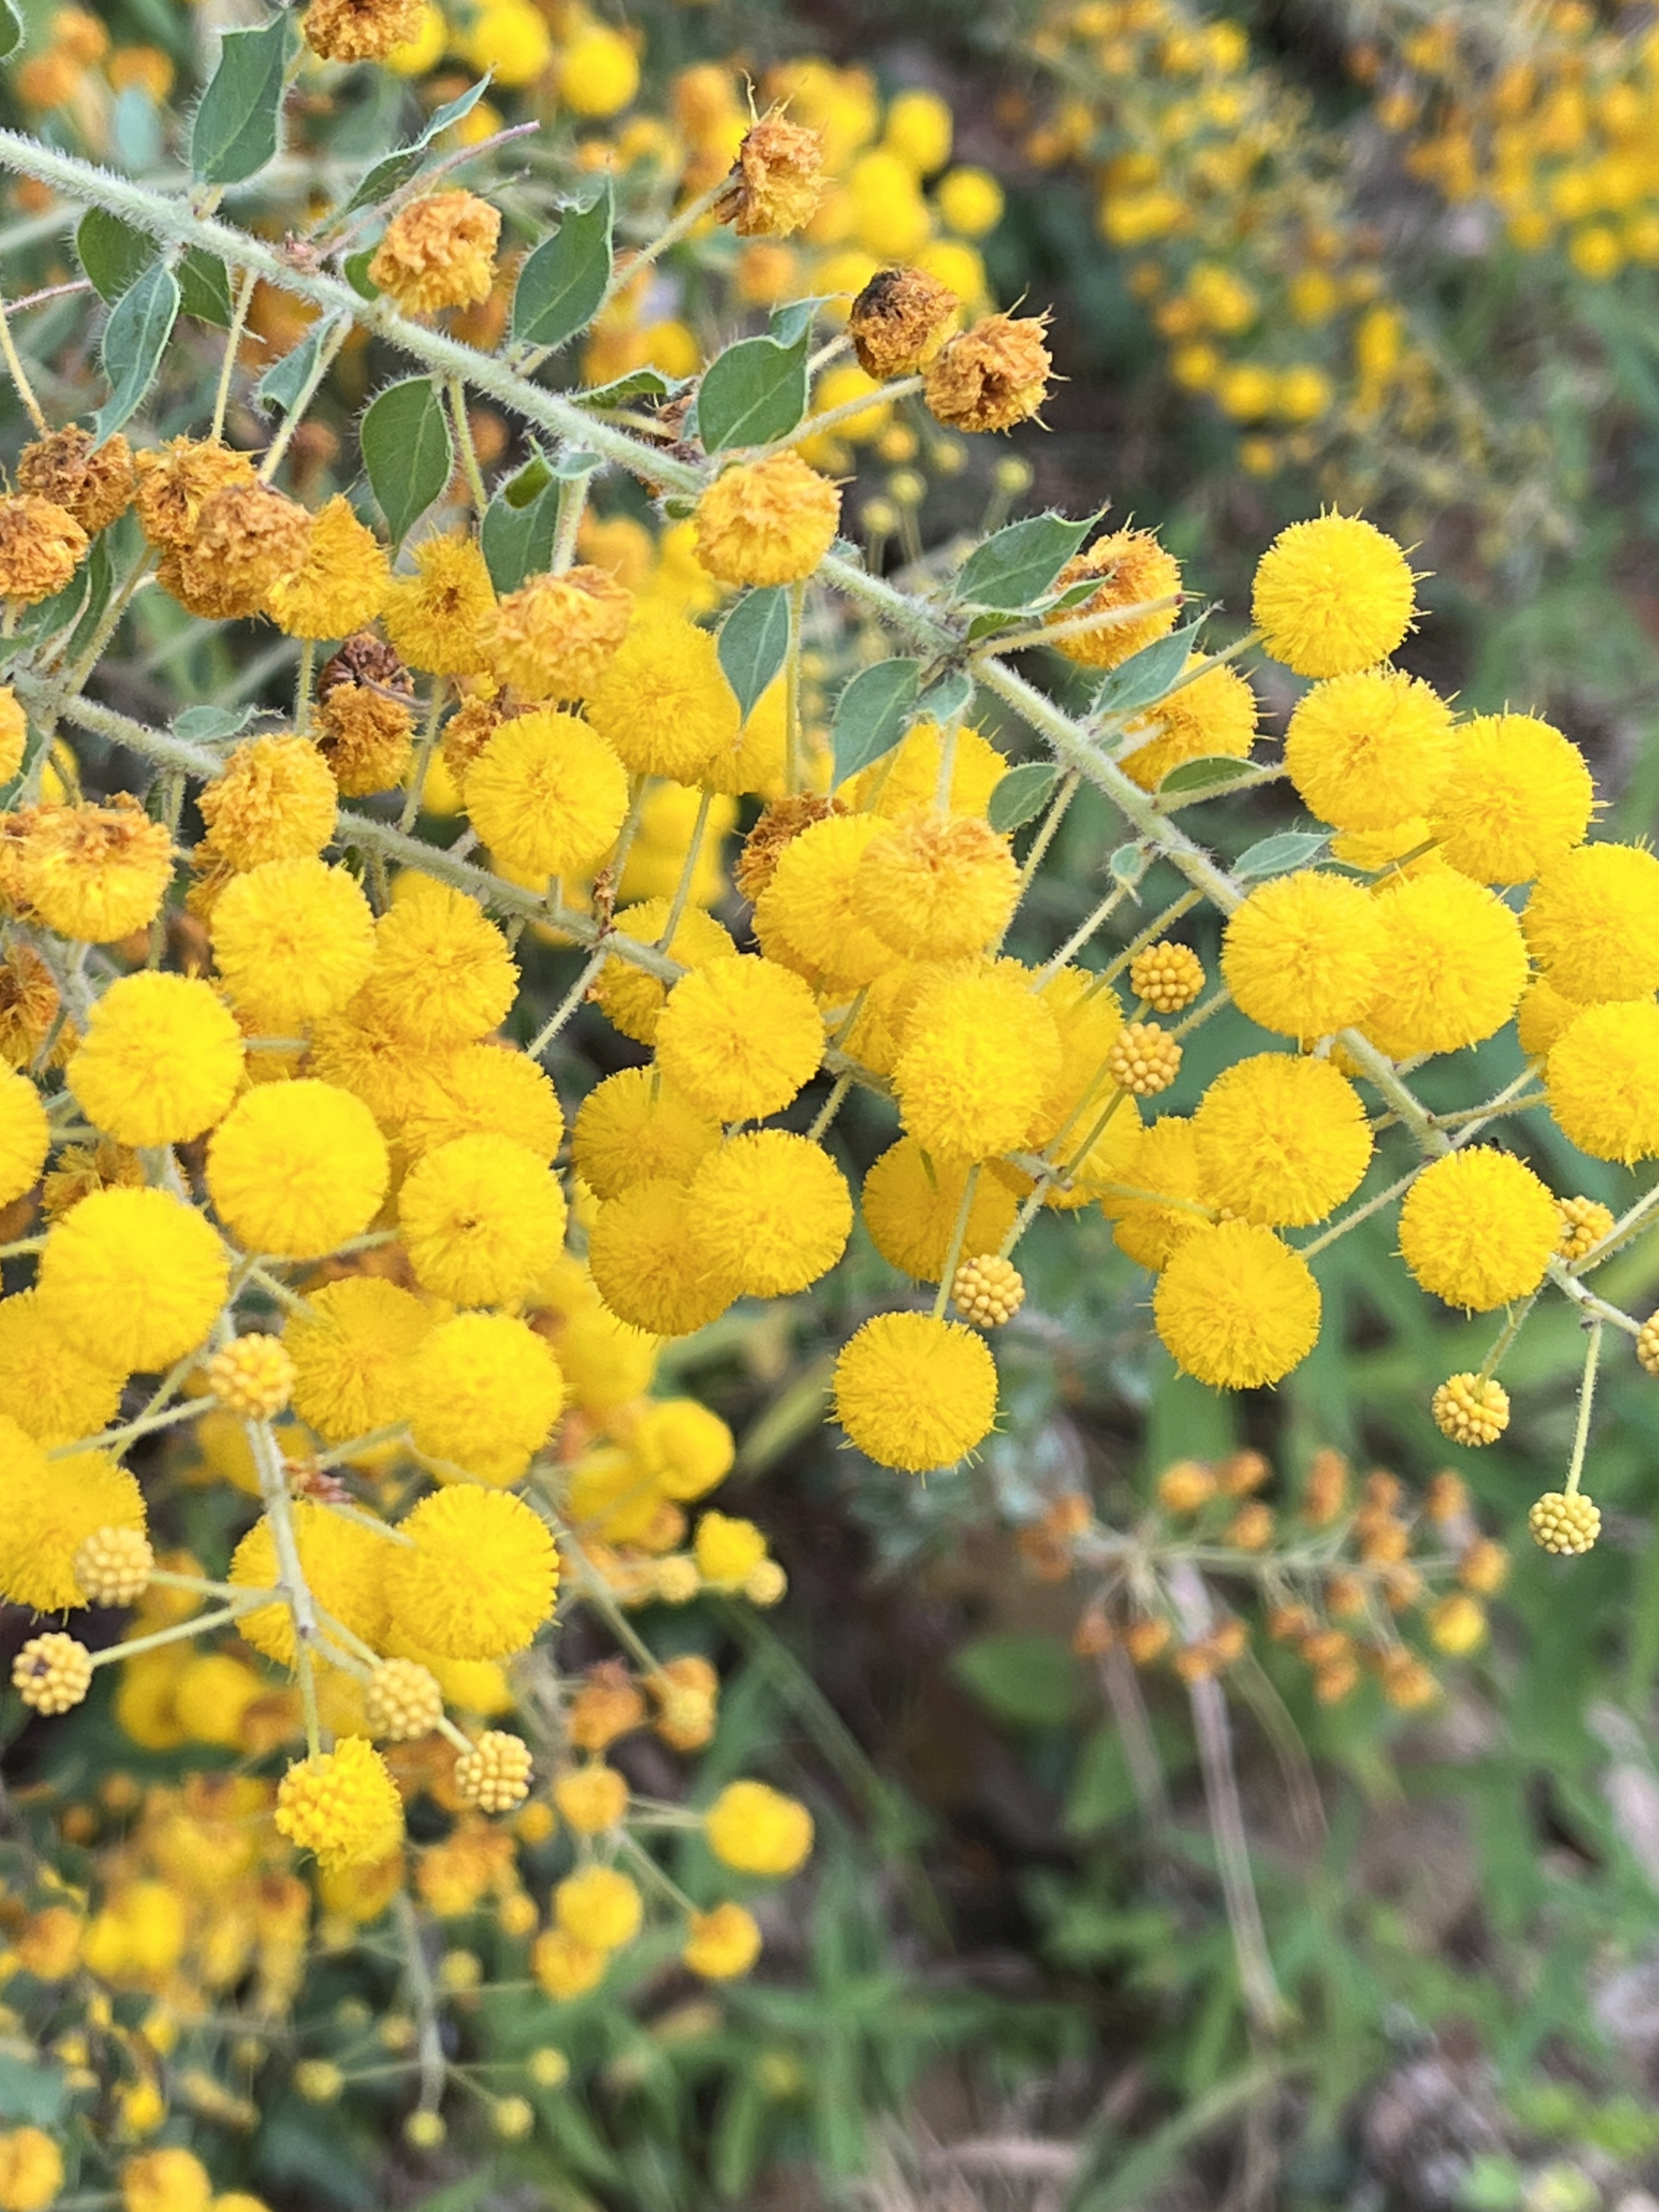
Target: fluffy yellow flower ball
x=1214, y=715
x=910, y=1207
x=547, y=796
x=1163, y=1160
x=486, y=1090
x=772, y=1212
x=740, y=1037
x=937, y=886
x=350, y=1349
x=810, y=915
x=160, y=1061
x=137, y=1272
x=1333, y=596
x=686, y=1450
x=342, y=584
x=31, y=2170
x=344, y=1563
x=599, y=70
x=980, y=1054
x=47, y=1511
x=442, y=618
x=727, y=1550
x=650, y=1264
x=1235, y=1306
x=54, y=1387
x=297, y=1169
x=664, y=705
x=914, y=1393
x=1592, y=923
x=438, y=252
x=275, y=799
x=442, y=974
x=757, y=1830
x=1517, y=798
x=482, y=1393
x=480, y=1216
x=1542, y=1015
x=908, y=778
x=632, y=1128
x=565, y=1969
x=343, y=1805
x=1452, y=969
x=293, y=940
x=1602, y=1077
x=1368, y=750
x=171, y=2179
x=95, y=873
x=1478, y=1229
x=767, y=522
x=722, y=1944
x=630, y=999
x=25, y=1137
x=1303, y=955
x=1281, y=1140
x=479, y=1577
x=598, y=1907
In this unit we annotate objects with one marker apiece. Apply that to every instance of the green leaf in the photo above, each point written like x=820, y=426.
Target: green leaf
x=517, y=535
x=754, y=640
x=135, y=338
x=1209, y=772
x=1030, y=1680
x=1022, y=795
x=562, y=284
x=34, y=2095
x=1279, y=855
x=391, y=172
x=755, y=391
x=406, y=449
x=285, y=380
x=201, y=726
x=112, y=254
x=11, y=28
x=1127, y=866
x=1147, y=676
x=357, y=274
x=236, y=124
x=574, y=461
x=204, y=287
x=871, y=713
x=638, y=383
x=1017, y=565
x=950, y=696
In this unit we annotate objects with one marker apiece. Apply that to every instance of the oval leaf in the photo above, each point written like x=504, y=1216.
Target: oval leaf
x=1210, y=772
x=1032, y=1681
x=11, y=28
x=1022, y=795
x=406, y=450
x=562, y=284
x=1127, y=865
x=204, y=287
x=237, y=123
x=1017, y=565
x=755, y=391
x=285, y=380
x=754, y=640
x=871, y=713
x=1147, y=676
x=947, y=699
x=517, y=535
x=394, y=170
x=135, y=338
x=1279, y=855
x=112, y=254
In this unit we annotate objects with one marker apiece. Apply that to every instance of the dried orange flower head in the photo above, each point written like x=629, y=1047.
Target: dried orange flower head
x=96, y=483
x=247, y=540
x=779, y=824
x=40, y=546
x=776, y=180
x=176, y=480
x=359, y=30
x=439, y=251
x=993, y=376
x=900, y=321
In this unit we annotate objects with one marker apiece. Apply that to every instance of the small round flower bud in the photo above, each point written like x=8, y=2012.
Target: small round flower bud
x=1166, y=976
x=494, y=1775
x=1143, y=1640
x=252, y=1376
x=899, y=323
x=1251, y=1529
x=318, y=2080
x=1484, y=1568
x=988, y=1291
x=1334, y=1682
x=1471, y=1412
x=461, y=1971
x=1564, y=1521
x=424, y=2130
x=1142, y=1059
x=1457, y=1623
x=513, y=2117
x=1186, y=1486
x=1447, y=1497
x=765, y=1582
x=547, y=2068
x=1407, y=1683
x=676, y=1580
x=53, y=1672
x=402, y=1700
x=1584, y=1223
x=1647, y=1344
x=113, y=1566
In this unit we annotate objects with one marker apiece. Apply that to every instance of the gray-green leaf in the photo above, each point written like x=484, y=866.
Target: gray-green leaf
x=754, y=639
x=237, y=123
x=1282, y=854
x=517, y=533
x=1210, y=772
x=406, y=449
x=1022, y=795
x=562, y=284
x=394, y=170
x=112, y=253
x=755, y=391
x=871, y=713
x=135, y=338
x=11, y=28
x=203, y=725
x=285, y=380
x=1017, y=565
x=1147, y=676
x=204, y=287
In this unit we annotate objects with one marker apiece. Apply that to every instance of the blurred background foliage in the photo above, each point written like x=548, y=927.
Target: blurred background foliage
x=1383, y=253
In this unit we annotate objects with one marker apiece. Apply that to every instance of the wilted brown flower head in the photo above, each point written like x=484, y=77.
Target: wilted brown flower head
x=900, y=321
x=993, y=376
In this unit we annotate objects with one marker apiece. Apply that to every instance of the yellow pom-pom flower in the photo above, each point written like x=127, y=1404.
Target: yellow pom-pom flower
x=937, y=886
x=31, y=2170
x=767, y=522
x=910, y=1207
x=1303, y=955
x=908, y=778
x=914, y=1393
x=95, y=873
x=486, y=1090
x=757, y=1830
x=599, y=70
x=484, y=1391
x=342, y=1805
x=1368, y=750
x=1452, y=969
x=598, y=1907
x=477, y=1578
x=275, y=799
x=1478, y=1229
x=772, y=1212
x=722, y=1944
x=727, y=1550
x=632, y=1128
x=350, y=1349
x=811, y=915
x=171, y=2179
x=664, y=705
x=48, y=1511
x=629, y=997
x=980, y=1054
x=438, y=252
x=1214, y=715
x=342, y=584
x=1518, y=796
x=137, y=1272
x=442, y=974
x=54, y=1387
x=1235, y=1306
x=344, y=1565
x=1602, y=1079
x=1592, y=923
x=554, y=636
x=563, y=1968
x=442, y=618
x=1333, y=596
x=479, y=1216
x=547, y=796
x=1281, y=1140
x=25, y=1137
x=650, y=1264
x=739, y=1037
x=293, y=940
x=160, y=1063
x=297, y=1169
